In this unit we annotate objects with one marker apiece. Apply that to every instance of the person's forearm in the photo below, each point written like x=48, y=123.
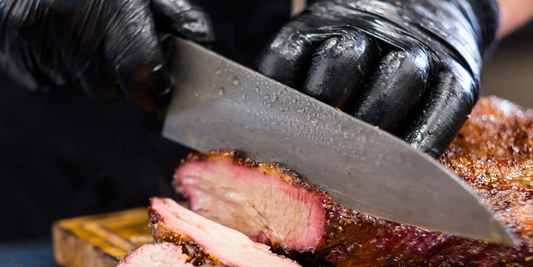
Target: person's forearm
x=514, y=14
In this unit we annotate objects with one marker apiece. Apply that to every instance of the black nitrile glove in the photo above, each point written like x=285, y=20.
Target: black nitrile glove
x=105, y=47
x=411, y=67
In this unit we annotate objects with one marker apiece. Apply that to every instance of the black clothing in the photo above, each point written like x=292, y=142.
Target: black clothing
x=63, y=154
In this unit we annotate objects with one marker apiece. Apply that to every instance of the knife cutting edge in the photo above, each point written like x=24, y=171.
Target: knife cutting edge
x=219, y=104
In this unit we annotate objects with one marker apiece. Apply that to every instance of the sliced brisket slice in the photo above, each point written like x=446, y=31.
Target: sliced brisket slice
x=207, y=242
x=160, y=254
x=273, y=205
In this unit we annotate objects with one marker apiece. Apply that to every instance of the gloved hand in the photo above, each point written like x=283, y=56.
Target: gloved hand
x=105, y=47
x=411, y=67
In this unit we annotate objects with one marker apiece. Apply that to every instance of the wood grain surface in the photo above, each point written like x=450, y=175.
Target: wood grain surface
x=99, y=240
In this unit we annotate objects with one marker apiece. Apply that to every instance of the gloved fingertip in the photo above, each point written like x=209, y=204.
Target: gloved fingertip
x=185, y=19
x=439, y=115
x=196, y=27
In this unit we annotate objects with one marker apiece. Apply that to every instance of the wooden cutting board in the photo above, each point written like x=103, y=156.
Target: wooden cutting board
x=99, y=240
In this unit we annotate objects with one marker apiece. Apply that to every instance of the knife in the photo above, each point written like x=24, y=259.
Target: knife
x=219, y=104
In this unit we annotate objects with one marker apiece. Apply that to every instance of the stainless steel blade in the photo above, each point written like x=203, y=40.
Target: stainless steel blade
x=219, y=104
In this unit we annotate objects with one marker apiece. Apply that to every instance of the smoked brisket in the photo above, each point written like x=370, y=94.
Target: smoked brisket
x=207, y=242
x=160, y=254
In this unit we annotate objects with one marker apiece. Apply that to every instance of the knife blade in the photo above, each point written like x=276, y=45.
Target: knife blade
x=219, y=104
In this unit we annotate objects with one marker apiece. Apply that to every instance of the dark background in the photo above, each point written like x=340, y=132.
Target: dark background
x=509, y=73
x=63, y=154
